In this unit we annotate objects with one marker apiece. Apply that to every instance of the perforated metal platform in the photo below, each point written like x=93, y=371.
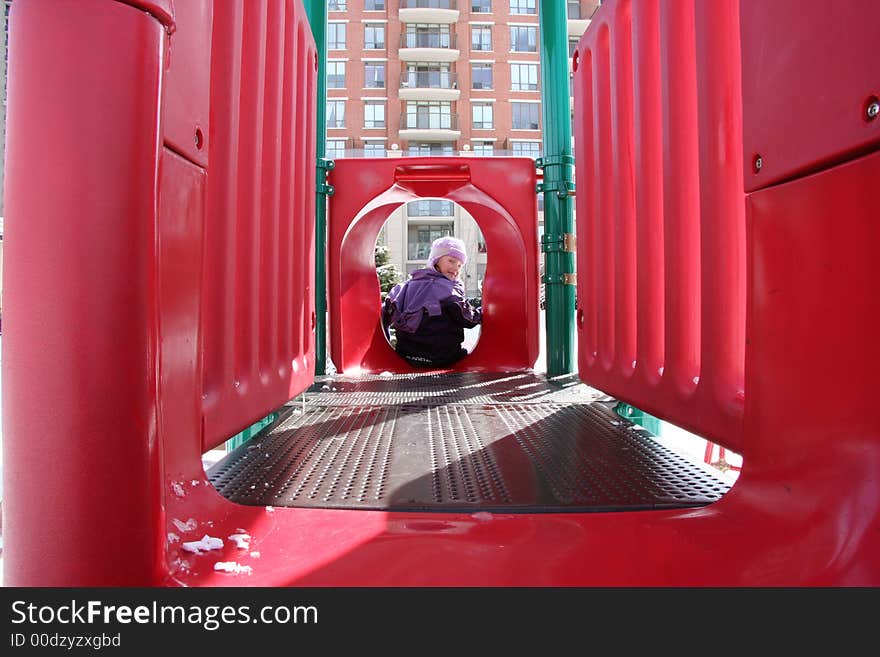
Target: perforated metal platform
x=468, y=441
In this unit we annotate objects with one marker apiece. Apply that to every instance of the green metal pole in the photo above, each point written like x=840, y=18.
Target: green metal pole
x=317, y=13
x=557, y=242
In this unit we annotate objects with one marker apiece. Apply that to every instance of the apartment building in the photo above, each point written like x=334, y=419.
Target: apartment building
x=437, y=77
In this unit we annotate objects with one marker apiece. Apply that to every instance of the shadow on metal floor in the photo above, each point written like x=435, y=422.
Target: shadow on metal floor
x=511, y=442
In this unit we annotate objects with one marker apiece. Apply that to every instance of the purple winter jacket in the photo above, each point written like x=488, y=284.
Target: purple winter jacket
x=429, y=313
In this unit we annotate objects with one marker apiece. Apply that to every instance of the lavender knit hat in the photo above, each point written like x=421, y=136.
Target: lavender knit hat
x=447, y=246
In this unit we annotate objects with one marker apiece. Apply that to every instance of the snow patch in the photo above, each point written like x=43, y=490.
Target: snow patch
x=187, y=526
x=232, y=567
x=206, y=543
x=178, y=489
x=242, y=541
x=173, y=538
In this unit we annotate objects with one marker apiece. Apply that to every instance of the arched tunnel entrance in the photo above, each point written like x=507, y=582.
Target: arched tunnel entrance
x=499, y=193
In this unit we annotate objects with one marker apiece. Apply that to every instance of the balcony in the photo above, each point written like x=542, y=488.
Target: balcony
x=429, y=85
x=429, y=127
x=428, y=11
x=428, y=47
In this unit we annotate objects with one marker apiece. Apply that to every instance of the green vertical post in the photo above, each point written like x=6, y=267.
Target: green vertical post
x=557, y=242
x=317, y=13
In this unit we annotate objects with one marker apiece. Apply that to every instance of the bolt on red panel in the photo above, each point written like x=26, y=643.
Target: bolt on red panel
x=811, y=86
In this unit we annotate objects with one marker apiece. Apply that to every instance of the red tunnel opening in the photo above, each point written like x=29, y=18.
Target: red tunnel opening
x=499, y=193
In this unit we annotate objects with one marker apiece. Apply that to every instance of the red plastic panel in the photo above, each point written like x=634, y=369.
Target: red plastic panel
x=81, y=500
x=181, y=237
x=500, y=195
x=810, y=72
x=185, y=123
x=813, y=354
x=258, y=310
x=660, y=212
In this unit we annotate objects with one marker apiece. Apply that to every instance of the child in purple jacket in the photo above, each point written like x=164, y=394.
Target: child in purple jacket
x=429, y=312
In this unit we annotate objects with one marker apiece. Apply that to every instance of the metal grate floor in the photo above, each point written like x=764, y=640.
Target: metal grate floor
x=465, y=441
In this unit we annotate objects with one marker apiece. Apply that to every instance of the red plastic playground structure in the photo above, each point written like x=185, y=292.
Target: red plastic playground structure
x=160, y=297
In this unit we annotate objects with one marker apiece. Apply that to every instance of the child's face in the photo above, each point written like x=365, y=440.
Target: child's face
x=449, y=266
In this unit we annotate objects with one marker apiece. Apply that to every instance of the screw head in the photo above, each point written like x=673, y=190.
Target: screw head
x=873, y=109
x=759, y=162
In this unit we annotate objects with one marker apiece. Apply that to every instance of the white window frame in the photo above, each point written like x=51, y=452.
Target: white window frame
x=516, y=74
x=333, y=106
x=370, y=107
x=384, y=69
x=335, y=66
x=335, y=26
x=374, y=27
x=479, y=113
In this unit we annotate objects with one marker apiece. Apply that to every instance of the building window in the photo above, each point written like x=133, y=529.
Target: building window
x=337, y=5
x=572, y=45
x=374, y=114
x=481, y=6
x=374, y=75
x=481, y=76
x=420, y=238
x=523, y=38
x=374, y=148
x=525, y=116
x=423, y=35
x=336, y=36
x=522, y=7
x=530, y=149
x=335, y=113
x=374, y=36
x=429, y=209
x=430, y=149
x=374, y=5
x=428, y=75
x=428, y=115
x=481, y=37
x=524, y=77
x=482, y=116
x=483, y=148
x=336, y=75
x=574, y=10
x=335, y=148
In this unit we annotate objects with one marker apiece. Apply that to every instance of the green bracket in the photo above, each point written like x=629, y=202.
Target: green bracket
x=324, y=164
x=559, y=279
x=554, y=160
x=633, y=414
x=562, y=187
x=242, y=437
x=564, y=243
